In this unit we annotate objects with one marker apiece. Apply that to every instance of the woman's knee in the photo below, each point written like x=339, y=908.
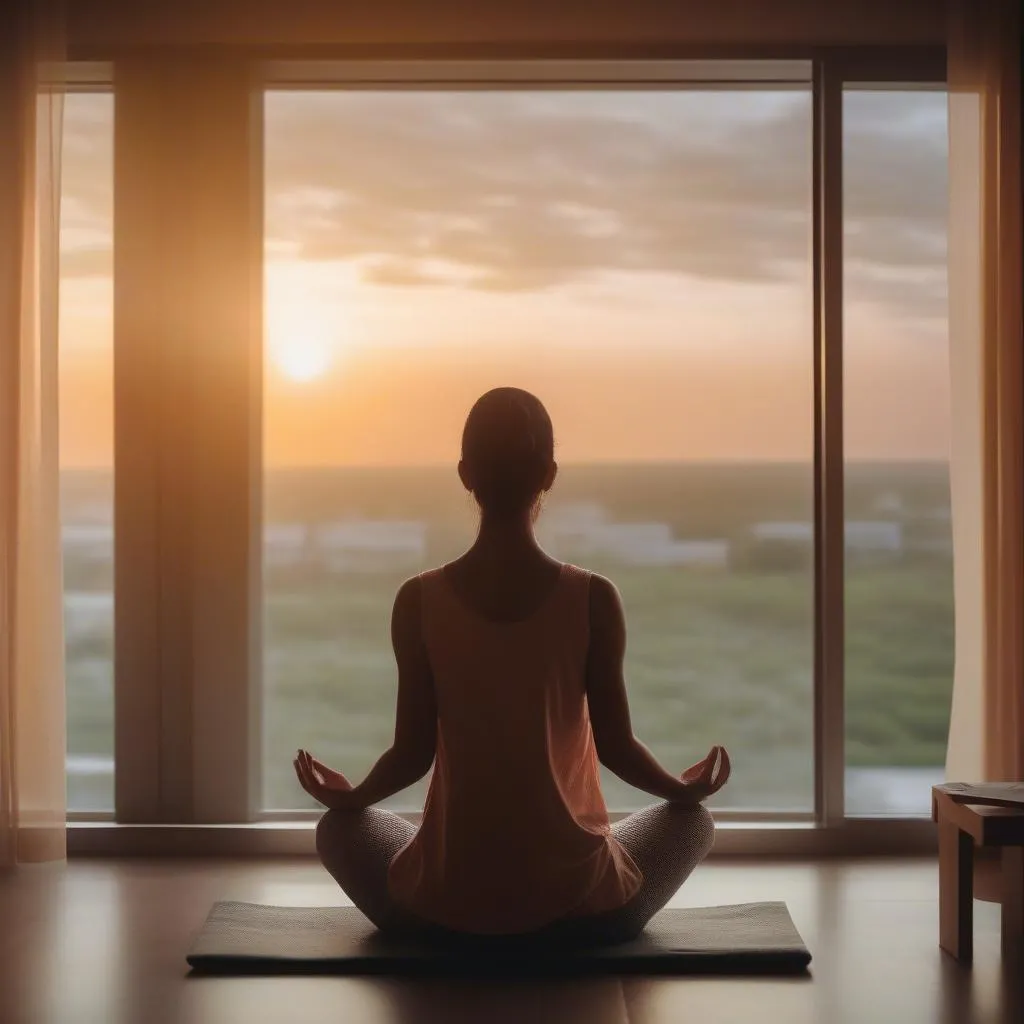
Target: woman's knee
x=707, y=825
x=331, y=830
x=696, y=825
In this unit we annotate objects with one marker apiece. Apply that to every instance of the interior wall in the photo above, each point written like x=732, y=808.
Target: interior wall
x=97, y=28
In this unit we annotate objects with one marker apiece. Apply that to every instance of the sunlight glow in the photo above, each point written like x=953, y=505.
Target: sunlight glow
x=303, y=340
x=302, y=359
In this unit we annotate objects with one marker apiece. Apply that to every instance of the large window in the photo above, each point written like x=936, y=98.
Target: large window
x=87, y=443
x=678, y=259
x=641, y=261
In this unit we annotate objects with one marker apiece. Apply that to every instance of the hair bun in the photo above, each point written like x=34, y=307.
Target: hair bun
x=508, y=446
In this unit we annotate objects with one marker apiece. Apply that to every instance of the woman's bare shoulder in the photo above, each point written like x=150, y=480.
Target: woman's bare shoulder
x=605, y=601
x=410, y=594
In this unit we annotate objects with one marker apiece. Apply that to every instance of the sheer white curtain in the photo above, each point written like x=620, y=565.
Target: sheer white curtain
x=987, y=465
x=32, y=724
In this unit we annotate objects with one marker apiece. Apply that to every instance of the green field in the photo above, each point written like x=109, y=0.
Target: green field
x=716, y=655
x=713, y=658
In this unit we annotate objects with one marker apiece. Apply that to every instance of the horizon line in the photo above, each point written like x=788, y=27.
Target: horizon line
x=583, y=464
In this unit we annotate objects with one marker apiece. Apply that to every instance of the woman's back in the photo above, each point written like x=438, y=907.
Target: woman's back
x=515, y=830
x=506, y=586
x=510, y=682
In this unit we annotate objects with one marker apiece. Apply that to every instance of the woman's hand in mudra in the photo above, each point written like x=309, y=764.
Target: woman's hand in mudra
x=707, y=777
x=323, y=784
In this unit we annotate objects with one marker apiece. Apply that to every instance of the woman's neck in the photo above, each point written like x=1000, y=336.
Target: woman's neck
x=504, y=539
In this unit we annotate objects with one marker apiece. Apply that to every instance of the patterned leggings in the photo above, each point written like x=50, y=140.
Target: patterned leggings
x=667, y=841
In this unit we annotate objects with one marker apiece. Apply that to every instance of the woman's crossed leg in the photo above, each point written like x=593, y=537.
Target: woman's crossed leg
x=667, y=841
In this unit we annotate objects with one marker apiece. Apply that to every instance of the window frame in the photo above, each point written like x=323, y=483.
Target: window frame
x=234, y=796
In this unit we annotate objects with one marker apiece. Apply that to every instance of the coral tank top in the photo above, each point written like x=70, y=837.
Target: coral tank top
x=515, y=830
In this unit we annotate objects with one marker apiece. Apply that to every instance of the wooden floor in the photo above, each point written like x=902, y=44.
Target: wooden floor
x=104, y=942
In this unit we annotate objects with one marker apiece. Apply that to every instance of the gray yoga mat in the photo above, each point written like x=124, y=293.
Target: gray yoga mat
x=249, y=938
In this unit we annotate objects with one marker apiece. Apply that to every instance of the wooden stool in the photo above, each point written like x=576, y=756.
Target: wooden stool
x=962, y=827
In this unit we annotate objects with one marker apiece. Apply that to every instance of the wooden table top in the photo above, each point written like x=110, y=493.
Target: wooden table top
x=989, y=826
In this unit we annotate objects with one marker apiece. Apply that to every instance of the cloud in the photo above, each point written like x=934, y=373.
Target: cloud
x=530, y=196
x=87, y=185
x=530, y=191
x=518, y=191
x=399, y=273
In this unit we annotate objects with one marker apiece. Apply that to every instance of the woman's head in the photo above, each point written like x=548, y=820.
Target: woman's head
x=508, y=453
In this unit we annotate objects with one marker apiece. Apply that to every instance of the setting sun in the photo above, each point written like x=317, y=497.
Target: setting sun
x=303, y=339
x=302, y=359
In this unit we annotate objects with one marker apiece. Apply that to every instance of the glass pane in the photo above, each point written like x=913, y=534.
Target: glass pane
x=899, y=575
x=86, y=379
x=639, y=260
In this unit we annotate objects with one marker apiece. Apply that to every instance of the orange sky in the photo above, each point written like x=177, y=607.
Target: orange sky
x=406, y=404
x=637, y=362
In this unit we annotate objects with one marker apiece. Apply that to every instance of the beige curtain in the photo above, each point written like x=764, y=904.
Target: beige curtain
x=32, y=724
x=987, y=465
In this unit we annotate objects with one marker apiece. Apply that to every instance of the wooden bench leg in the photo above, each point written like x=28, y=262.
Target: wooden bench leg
x=1013, y=899
x=956, y=892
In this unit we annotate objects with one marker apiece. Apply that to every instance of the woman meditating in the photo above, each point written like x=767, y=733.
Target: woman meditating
x=510, y=683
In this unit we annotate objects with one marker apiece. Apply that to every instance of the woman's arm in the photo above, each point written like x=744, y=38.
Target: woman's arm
x=618, y=749
x=412, y=752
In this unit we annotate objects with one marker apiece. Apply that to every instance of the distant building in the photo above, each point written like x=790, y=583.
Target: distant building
x=874, y=537
x=653, y=544
x=572, y=523
x=863, y=537
x=710, y=553
x=371, y=543
x=584, y=530
x=793, y=532
x=285, y=544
